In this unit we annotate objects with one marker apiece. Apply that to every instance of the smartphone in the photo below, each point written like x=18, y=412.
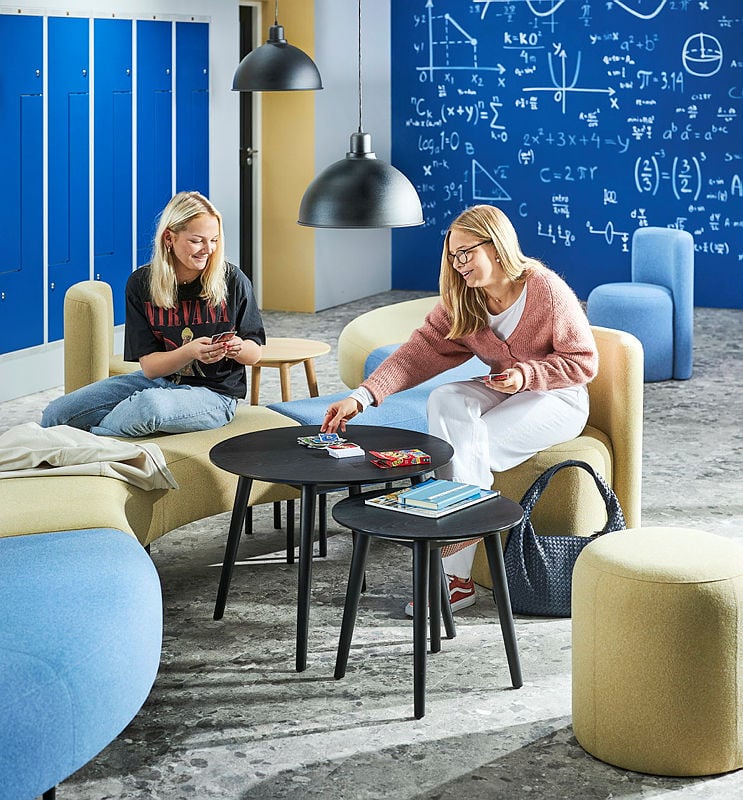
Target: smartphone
x=500, y=376
x=222, y=337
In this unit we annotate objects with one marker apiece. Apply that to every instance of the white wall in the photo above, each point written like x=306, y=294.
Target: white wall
x=350, y=264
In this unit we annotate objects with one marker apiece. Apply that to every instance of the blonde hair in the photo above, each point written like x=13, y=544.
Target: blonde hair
x=180, y=210
x=467, y=307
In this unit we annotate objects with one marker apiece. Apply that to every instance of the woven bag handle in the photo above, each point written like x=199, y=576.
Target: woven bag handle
x=614, y=516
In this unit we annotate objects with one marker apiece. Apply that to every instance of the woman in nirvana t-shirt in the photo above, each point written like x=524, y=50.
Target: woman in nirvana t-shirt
x=176, y=306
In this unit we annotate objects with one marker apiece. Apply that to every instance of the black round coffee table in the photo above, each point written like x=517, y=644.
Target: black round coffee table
x=275, y=457
x=426, y=536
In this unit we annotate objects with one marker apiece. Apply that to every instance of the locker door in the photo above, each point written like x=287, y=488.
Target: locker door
x=68, y=160
x=154, y=129
x=21, y=199
x=192, y=106
x=112, y=154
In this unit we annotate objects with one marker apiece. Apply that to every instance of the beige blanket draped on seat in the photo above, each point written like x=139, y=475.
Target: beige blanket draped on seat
x=27, y=450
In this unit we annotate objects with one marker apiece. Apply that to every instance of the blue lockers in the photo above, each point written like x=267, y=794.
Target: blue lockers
x=154, y=129
x=21, y=200
x=112, y=157
x=68, y=163
x=192, y=106
x=130, y=185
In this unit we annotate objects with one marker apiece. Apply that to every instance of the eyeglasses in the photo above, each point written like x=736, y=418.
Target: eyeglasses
x=461, y=256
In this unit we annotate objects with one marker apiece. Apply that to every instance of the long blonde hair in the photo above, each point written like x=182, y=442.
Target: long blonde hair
x=467, y=307
x=180, y=210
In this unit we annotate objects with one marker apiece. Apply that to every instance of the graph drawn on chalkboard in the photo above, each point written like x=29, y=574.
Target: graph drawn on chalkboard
x=451, y=46
x=583, y=121
x=560, y=88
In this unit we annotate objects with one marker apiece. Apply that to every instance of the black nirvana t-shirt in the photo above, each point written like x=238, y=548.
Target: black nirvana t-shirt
x=150, y=329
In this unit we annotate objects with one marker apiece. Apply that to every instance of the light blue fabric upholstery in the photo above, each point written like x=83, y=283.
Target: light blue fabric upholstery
x=662, y=263
x=80, y=638
x=405, y=409
x=645, y=310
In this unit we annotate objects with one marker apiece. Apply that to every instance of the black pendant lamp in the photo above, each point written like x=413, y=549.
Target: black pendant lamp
x=360, y=191
x=276, y=66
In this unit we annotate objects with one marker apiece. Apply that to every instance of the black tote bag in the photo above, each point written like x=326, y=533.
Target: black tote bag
x=539, y=569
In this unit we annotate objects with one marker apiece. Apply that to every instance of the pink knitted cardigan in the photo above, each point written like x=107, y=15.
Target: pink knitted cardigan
x=552, y=344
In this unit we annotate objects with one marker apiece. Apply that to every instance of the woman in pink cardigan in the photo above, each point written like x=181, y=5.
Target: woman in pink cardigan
x=527, y=325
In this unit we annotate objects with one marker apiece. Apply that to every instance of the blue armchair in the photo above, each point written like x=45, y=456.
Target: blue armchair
x=657, y=306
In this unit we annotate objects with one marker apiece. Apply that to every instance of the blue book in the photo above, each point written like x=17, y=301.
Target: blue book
x=438, y=494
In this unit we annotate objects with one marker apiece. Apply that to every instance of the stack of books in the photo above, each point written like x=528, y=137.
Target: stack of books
x=433, y=498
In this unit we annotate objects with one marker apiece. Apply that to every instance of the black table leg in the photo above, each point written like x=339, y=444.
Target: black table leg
x=351, y=605
x=434, y=598
x=420, y=612
x=352, y=490
x=322, y=524
x=306, y=531
x=446, y=612
x=239, y=510
x=503, y=602
x=289, y=531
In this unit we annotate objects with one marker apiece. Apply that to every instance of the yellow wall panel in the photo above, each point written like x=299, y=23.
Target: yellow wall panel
x=288, y=166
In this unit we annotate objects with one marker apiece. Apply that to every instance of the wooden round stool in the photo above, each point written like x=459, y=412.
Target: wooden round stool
x=284, y=354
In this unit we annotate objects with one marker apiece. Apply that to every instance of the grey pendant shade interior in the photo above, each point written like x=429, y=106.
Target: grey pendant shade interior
x=360, y=191
x=276, y=66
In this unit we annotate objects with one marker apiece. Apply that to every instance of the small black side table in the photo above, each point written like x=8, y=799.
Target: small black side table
x=427, y=536
x=275, y=457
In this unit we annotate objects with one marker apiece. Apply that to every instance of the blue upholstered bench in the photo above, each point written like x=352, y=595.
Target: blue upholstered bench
x=80, y=638
x=401, y=410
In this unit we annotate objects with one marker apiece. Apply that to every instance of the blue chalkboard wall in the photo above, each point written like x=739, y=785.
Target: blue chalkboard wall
x=583, y=121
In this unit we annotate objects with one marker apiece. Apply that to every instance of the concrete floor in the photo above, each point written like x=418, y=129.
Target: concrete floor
x=229, y=717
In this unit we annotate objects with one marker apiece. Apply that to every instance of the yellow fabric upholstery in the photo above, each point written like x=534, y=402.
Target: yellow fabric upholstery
x=40, y=504
x=89, y=336
x=657, y=646
x=611, y=441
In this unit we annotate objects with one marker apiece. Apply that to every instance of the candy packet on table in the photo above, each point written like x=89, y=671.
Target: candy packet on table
x=399, y=458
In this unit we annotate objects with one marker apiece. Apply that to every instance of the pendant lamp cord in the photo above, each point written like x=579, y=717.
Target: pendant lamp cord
x=276, y=14
x=360, y=104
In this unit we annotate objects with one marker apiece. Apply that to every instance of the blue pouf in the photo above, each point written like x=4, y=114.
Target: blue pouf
x=80, y=639
x=644, y=310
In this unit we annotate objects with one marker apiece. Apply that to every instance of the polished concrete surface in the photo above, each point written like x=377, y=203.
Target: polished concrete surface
x=229, y=717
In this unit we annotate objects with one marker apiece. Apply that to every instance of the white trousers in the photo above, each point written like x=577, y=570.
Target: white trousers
x=491, y=431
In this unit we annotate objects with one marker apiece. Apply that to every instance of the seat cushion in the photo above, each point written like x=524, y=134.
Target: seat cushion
x=402, y=410
x=80, y=639
x=406, y=409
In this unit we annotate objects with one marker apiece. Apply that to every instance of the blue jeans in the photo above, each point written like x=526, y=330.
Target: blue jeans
x=133, y=405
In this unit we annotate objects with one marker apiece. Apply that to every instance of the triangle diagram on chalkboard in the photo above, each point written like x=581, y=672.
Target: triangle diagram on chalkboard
x=485, y=186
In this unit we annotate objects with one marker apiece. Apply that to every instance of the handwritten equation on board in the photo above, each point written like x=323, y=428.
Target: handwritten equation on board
x=582, y=120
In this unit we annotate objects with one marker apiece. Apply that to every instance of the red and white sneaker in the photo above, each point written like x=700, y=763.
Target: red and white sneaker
x=461, y=594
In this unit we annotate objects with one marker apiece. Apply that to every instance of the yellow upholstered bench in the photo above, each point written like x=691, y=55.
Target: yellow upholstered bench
x=40, y=504
x=657, y=634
